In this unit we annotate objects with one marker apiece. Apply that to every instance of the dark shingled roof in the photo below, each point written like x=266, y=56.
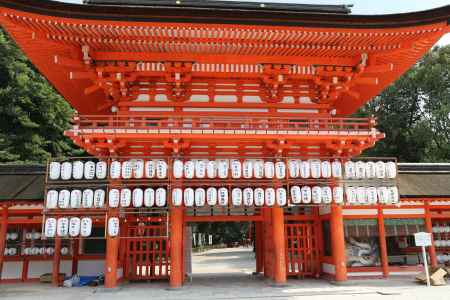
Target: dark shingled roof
x=22, y=182
x=27, y=182
x=239, y=5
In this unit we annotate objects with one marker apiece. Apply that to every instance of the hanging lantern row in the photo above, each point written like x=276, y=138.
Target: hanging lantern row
x=223, y=169
x=68, y=227
x=33, y=251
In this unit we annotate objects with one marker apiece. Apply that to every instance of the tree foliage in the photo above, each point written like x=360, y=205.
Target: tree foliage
x=33, y=116
x=414, y=112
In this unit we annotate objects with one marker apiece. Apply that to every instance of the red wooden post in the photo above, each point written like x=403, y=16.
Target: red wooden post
x=429, y=229
x=279, y=245
x=75, y=254
x=382, y=240
x=259, y=247
x=176, y=247
x=56, y=261
x=338, y=242
x=3, y=232
x=112, y=251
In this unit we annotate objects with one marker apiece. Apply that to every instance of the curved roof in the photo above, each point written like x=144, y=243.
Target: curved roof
x=364, y=53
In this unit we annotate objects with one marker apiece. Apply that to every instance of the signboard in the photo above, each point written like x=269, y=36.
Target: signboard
x=422, y=239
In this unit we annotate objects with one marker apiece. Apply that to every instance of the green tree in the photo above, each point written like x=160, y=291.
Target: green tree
x=414, y=112
x=33, y=116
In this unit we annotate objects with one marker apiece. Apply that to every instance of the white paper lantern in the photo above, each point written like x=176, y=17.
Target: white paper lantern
x=258, y=169
x=350, y=170
x=280, y=170
x=54, y=170
x=64, y=199
x=161, y=169
x=200, y=197
x=62, y=228
x=270, y=196
x=138, y=197
x=125, y=197
x=13, y=236
x=52, y=199
x=305, y=169
x=160, y=197
x=200, y=168
x=85, y=227
x=338, y=195
x=296, y=195
x=29, y=236
x=315, y=167
x=74, y=226
x=150, y=169
x=222, y=194
x=372, y=195
x=306, y=194
x=360, y=170
x=127, y=169
x=380, y=169
x=393, y=195
x=383, y=195
x=27, y=251
x=326, y=169
x=361, y=195
x=101, y=170
x=177, y=197
x=211, y=196
x=77, y=170
x=138, y=168
x=236, y=169
x=189, y=196
x=336, y=169
x=248, y=196
x=115, y=170
x=247, y=169
x=259, y=196
x=12, y=251
x=66, y=170
x=350, y=193
x=327, y=195
x=281, y=195
x=211, y=169
x=113, y=226
x=189, y=169
x=316, y=195
x=99, y=198
x=50, y=227
x=149, y=197
x=371, y=171
x=89, y=170
x=88, y=198
x=236, y=197
x=391, y=170
x=75, y=199
x=64, y=251
x=222, y=166
x=114, y=198
x=269, y=169
x=34, y=251
x=36, y=235
x=294, y=168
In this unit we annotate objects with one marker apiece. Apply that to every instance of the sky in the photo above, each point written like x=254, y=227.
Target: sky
x=369, y=7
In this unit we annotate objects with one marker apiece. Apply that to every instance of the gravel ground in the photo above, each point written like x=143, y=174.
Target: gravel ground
x=227, y=274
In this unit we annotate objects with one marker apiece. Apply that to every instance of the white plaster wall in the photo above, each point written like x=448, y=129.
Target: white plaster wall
x=90, y=267
x=328, y=268
x=37, y=268
x=12, y=270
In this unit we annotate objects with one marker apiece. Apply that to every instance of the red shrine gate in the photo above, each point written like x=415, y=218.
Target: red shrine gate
x=236, y=83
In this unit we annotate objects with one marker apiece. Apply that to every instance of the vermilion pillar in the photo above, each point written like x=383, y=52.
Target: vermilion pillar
x=56, y=261
x=382, y=240
x=338, y=242
x=429, y=229
x=112, y=252
x=176, y=247
x=279, y=245
x=75, y=253
x=268, y=245
x=3, y=232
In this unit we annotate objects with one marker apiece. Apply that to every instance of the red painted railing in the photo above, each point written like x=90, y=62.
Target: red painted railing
x=244, y=122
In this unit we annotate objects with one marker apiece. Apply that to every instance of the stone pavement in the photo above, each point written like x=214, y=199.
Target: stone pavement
x=234, y=281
